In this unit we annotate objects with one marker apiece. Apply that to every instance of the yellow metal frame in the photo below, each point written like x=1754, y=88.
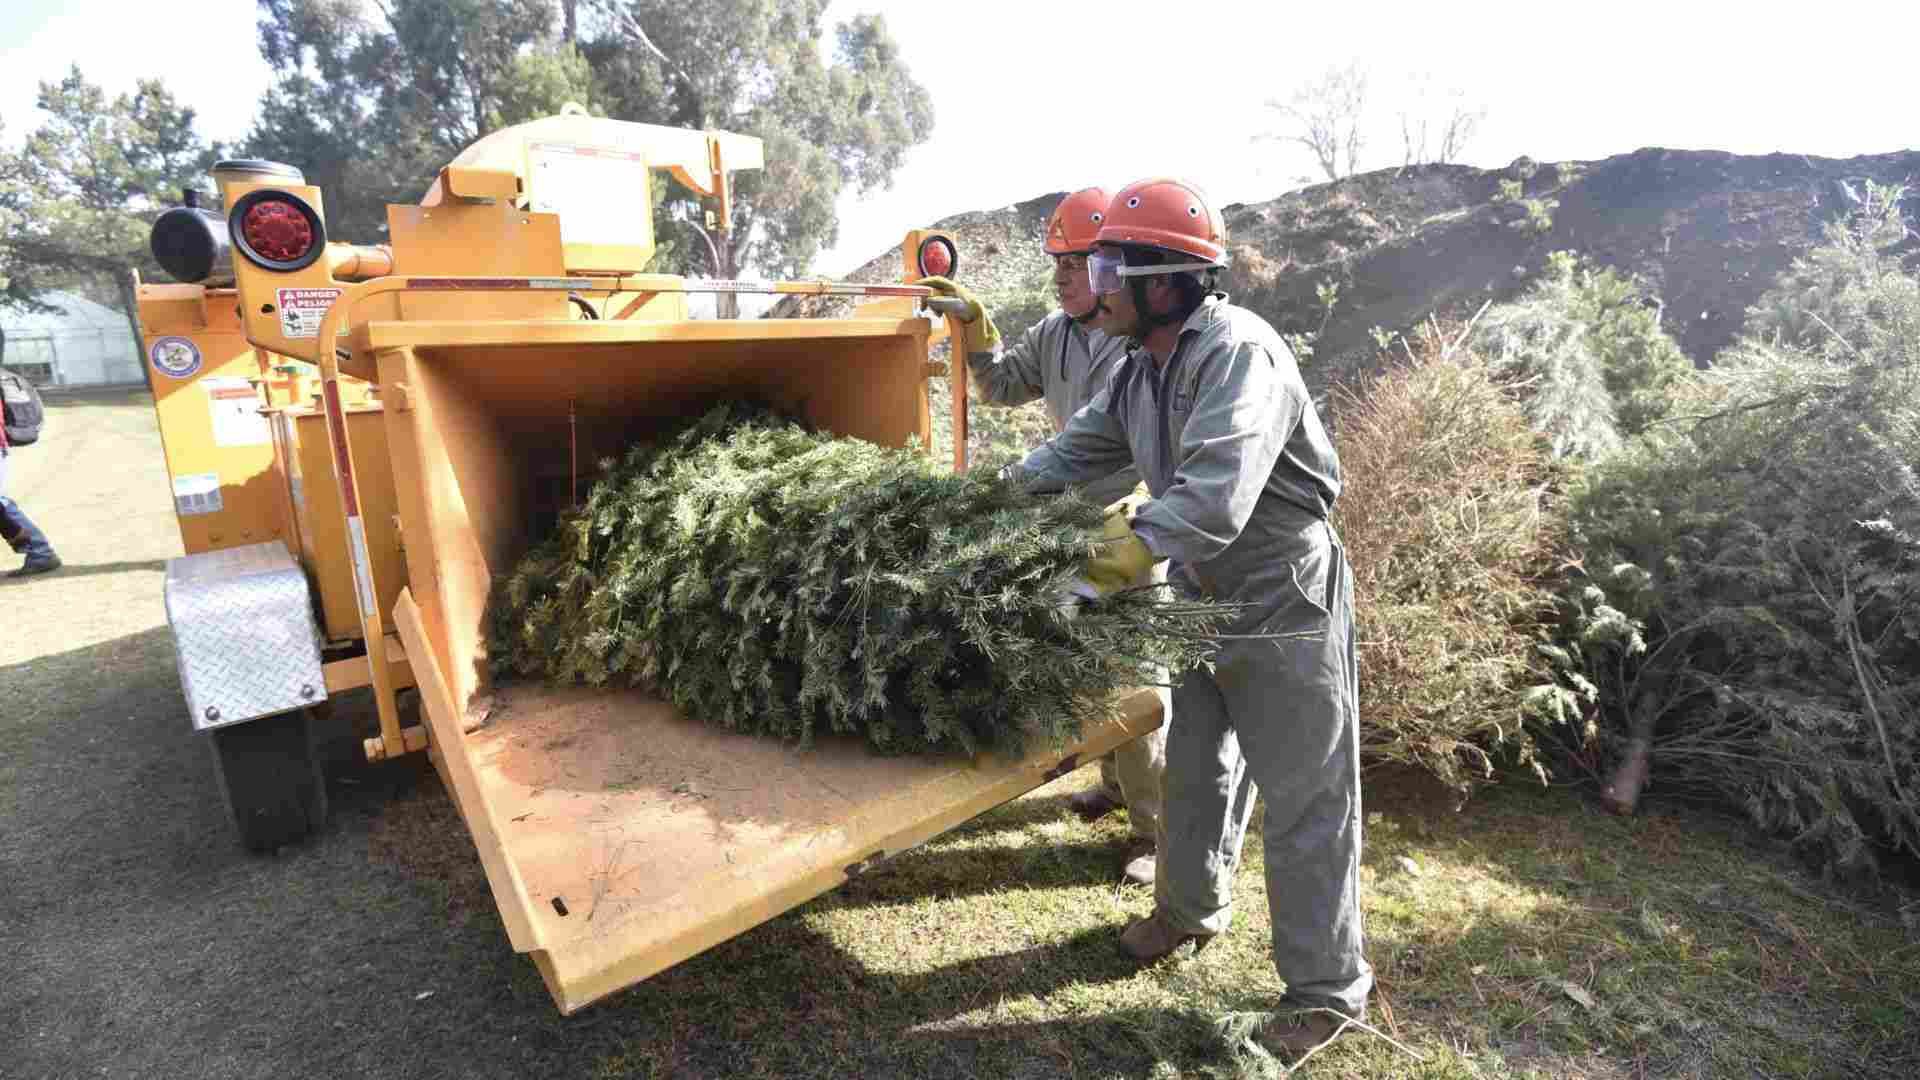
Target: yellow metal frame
x=481, y=376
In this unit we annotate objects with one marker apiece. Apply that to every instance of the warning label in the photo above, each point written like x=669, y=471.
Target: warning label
x=235, y=410
x=198, y=493
x=302, y=309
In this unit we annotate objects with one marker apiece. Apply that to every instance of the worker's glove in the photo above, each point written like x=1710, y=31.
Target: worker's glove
x=982, y=336
x=1123, y=562
x=1129, y=504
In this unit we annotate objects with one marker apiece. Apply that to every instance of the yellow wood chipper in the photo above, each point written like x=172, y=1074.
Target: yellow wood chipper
x=424, y=408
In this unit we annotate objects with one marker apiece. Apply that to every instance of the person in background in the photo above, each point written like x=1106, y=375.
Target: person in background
x=1065, y=362
x=18, y=530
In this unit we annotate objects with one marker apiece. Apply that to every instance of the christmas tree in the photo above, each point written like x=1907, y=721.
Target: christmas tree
x=774, y=580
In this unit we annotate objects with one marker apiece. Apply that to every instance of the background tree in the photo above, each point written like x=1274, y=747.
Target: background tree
x=1436, y=125
x=756, y=67
x=369, y=101
x=78, y=198
x=1586, y=342
x=1325, y=116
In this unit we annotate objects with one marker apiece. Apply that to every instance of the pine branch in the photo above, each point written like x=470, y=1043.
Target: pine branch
x=777, y=581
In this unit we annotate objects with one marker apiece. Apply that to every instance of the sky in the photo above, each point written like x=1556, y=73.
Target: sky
x=1034, y=96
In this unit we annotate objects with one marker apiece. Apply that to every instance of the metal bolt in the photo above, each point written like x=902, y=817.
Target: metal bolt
x=213, y=713
x=306, y=690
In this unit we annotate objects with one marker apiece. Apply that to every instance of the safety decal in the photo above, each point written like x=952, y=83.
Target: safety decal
x=301, y=310
x=197, y=493
x=175, y=357
x=234, y=407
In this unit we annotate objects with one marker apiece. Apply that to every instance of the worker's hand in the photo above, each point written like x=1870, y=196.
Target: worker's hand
x=982, y=336
x=1123, y=562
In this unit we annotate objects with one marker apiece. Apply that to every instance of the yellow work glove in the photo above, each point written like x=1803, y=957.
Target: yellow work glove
x=1123, y=561
x=1130, y=503
x=982, y=336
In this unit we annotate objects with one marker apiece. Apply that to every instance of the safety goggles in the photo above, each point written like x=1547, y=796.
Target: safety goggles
x=1107, y=269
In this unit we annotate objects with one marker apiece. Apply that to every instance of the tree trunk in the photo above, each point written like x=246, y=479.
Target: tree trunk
x=726, y=305
x=570, y=11
x=1622, y=793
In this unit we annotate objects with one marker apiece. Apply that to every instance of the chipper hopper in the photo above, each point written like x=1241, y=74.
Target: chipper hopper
x=513, y=340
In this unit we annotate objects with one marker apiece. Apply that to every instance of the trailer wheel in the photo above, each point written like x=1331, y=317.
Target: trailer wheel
x=269, y=773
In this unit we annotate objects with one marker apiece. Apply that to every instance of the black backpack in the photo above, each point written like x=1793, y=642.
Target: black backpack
x=23, y=411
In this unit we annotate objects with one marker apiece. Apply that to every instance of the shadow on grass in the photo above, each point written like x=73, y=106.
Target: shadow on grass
x=73, y=570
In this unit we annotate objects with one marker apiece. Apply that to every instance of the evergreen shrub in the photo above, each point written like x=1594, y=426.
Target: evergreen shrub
x=1765, y=538
x=1589, y=354
x=1456, y=536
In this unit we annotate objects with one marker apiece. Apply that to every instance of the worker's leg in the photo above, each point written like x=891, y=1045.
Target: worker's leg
x=1141, y=763
x=18, y=530
x=1110, y=781
x=1206, y=800
x=1139, y=766
x=1294, y=702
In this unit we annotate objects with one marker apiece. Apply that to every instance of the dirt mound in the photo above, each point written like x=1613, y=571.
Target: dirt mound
x=998, y=249
x=1708, y=232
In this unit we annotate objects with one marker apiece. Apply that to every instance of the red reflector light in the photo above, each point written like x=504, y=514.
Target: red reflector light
x=278, y=231
x=937, y=257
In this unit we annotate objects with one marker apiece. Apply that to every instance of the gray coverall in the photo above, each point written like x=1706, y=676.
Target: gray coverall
x=1243, y=477
x=1068, y=364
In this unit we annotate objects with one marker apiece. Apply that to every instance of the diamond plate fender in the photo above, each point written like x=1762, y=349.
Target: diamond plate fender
x=244, y=634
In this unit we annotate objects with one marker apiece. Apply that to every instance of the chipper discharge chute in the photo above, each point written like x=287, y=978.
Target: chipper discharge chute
x=618, y=836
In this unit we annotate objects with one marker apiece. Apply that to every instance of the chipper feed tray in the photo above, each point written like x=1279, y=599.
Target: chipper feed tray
x=619, y=837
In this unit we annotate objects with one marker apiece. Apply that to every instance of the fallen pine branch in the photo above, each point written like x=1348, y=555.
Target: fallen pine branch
x=773, y=580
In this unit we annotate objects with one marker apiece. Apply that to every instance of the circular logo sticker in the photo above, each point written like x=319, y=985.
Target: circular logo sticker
x=175, y=357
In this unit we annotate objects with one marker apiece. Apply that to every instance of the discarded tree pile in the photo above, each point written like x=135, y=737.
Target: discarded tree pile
x=773, y=580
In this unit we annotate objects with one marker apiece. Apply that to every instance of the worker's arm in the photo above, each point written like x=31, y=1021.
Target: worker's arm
x=1092, y=446
x=978, y=338
x=1015, y=375
x=1244, y=411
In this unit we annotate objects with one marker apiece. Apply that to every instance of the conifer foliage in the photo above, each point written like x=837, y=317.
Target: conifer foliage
x=774, y=580
x=1767, y=538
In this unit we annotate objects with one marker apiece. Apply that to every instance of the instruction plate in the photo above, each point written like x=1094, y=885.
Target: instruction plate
x=235, y=409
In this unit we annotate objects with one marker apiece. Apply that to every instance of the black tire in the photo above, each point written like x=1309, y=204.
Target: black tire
x=269, y=774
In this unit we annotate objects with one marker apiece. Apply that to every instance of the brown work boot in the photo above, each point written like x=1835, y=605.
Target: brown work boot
x=1092, y=804
x=1292, y=1034
x=1154, y=938
x=1140, y=861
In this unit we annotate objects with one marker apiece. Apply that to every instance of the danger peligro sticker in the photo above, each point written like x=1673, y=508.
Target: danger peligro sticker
x=302, y=309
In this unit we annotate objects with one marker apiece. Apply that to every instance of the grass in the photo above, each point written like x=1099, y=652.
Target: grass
x=990, y=952
x=1529, y=935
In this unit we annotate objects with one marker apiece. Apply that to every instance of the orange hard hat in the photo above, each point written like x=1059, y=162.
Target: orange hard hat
x=1167, y=214
x=1075, y=222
